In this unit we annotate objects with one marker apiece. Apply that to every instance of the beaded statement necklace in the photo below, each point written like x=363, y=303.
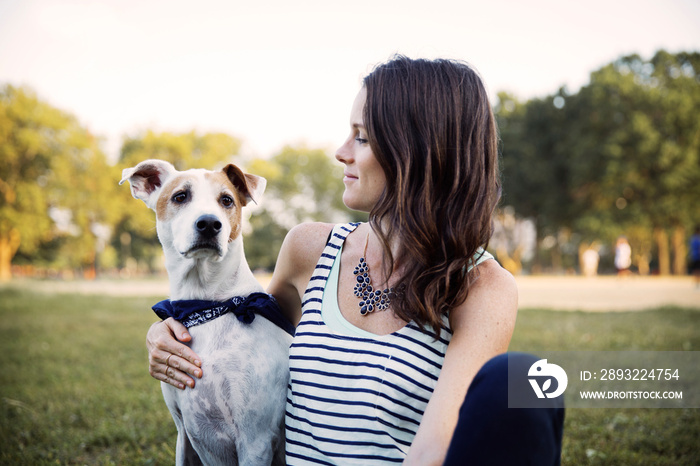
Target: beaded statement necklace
x=370, y=299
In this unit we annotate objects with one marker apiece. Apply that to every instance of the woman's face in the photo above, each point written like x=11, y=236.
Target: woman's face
x=364, y=178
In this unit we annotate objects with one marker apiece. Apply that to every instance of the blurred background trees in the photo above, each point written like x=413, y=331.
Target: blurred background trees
x=619, y=157
x=56, y=187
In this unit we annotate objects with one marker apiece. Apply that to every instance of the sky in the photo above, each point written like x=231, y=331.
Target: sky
x=276, y=72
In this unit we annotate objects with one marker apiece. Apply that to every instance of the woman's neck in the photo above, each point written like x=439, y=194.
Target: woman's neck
x=376, y=254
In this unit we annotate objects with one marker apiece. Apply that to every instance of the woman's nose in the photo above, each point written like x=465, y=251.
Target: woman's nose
x=344, y=154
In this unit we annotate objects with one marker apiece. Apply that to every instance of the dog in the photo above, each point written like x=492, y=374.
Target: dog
x=235, y=412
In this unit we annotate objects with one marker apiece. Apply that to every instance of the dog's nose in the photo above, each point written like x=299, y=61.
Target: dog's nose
x=208, y=226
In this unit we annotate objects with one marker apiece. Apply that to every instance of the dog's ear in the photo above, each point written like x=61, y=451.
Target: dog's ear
x=147, y=178
x=251, y=186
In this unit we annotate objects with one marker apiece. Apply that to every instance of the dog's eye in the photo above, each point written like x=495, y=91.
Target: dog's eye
x=226, y=201
x=180, y=197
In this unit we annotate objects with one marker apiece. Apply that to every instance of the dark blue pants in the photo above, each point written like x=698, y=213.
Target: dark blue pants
x=490, y=433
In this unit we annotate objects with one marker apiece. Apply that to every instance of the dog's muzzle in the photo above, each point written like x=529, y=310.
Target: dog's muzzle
x=207, y=229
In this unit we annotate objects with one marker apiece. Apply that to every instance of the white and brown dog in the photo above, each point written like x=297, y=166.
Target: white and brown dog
x=235, y=413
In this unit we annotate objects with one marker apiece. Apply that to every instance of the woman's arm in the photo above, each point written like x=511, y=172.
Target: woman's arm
x=482, y=328
x=296, y=262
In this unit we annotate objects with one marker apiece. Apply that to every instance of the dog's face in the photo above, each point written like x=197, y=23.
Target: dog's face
x=198, y=212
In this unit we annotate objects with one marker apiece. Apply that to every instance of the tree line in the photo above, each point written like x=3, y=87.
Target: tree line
x=619, y=157
x=62, y=210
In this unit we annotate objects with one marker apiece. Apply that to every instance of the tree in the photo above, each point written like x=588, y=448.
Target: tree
x=621, y=156
x=638, y=158
x=535, y=165
x=50, y=165
x=84, y=184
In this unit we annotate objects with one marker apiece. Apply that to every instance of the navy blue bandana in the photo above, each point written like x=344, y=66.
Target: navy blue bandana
x=196, y=311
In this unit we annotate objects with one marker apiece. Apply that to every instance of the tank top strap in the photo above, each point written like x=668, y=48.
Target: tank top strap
x=336, y=238
x=317, y=283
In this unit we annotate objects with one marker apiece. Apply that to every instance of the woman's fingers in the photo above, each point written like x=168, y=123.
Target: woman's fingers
x=183, y=351
x=169, y=360
x=169, y=375
x=178, y=330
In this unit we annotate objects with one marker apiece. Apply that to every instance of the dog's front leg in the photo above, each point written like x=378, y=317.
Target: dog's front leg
x=185, y=454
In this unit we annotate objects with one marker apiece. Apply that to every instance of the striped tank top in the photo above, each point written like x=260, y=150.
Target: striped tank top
x=356, y=399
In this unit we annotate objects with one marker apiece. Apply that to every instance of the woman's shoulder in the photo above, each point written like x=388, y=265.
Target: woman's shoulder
x=305, y=242
x=310, y=234
x=491, y=278
x=298, y=256
x=493, y=290
x=315, y=235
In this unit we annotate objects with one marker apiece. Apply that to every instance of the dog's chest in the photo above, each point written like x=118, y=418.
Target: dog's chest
x=242, y=365
x=227, y=344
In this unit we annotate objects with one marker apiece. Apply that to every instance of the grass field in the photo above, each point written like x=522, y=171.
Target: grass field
x=75, y=386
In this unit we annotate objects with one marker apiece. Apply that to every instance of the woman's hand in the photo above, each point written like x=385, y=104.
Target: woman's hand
x=169, y=360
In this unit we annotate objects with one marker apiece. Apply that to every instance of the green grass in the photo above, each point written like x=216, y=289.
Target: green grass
x=75, y=386
x=599, y=436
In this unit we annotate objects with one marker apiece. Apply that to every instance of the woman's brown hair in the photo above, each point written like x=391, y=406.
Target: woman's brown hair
x=430, y=126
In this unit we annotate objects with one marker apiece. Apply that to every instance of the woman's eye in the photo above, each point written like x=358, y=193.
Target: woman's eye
x=180, y=197
x=226, y=201
x=361, y=140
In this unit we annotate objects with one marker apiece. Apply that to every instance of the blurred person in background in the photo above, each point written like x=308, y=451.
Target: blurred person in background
x=695, y=256
x=623, y=256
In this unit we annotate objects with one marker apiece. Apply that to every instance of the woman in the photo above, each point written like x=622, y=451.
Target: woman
x=387, y=347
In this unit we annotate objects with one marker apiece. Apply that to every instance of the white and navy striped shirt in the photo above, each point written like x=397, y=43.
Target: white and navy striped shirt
x=352, y=399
